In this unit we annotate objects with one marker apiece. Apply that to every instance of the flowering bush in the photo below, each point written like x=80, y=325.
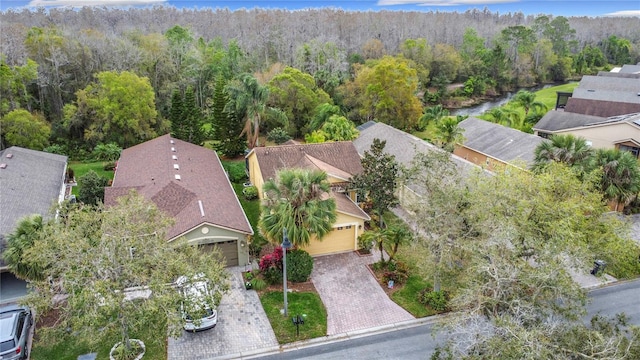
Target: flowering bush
x=272, y=260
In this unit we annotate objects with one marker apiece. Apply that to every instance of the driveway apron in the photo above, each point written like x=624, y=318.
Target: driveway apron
x=352, y=296
x=242, y=326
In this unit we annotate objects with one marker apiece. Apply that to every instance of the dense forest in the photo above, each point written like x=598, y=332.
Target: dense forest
x=71, y=79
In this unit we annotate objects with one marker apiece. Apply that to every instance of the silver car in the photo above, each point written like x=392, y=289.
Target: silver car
x=15, y=324
x=199, y=302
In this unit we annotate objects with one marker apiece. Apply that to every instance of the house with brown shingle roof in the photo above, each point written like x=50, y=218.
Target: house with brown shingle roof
x=188, y=183
x=340, y=161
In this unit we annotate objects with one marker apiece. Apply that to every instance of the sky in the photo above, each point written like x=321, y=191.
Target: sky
x=528, y=7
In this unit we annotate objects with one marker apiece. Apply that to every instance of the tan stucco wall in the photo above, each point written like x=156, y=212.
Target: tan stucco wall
x=477, y=158
x=214, y=234
x=604, y=137
x=255, y=176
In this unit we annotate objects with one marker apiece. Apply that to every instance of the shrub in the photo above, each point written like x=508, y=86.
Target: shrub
x=272, y=275
x=396, y=276
x=235, y=170
x=92, y=188
x=106, y=152
x=273, y=259
x=299, y=265
x=278, y=136
x=56, y=149
x=437, y=300
x=250, y=192
x=110, y=166
x=364, y=245
x=248, y=275
x=258, y=284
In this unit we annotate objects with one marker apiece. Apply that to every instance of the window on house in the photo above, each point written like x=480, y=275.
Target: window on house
x=349, y=227
x=340, y=228
x=632, y=149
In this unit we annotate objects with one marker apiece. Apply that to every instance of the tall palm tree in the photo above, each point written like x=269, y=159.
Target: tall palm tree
x=504, y=116
x=527, y=100
x=620, y=175
x=300, y=201
x=434, y=113
x=397, y=235
x=449, y=133
x=249, y=100
x=571, y=150
x=18, y=242
x=378, y=237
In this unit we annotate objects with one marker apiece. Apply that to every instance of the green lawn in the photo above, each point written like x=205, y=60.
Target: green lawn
x=306, y=304
x=81, y=168
x=69, y=347
x=407, y=297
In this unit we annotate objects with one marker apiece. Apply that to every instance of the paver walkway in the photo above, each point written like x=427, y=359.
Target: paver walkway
x=352, y=296
x=242, y=326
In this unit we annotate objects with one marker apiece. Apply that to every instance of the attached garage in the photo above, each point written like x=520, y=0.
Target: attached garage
x=229, y=250
x=341, y=239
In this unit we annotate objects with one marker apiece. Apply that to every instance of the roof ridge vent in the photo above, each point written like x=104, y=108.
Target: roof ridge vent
x=176, y=166
x=178, y=177
x=3, y=166
x=173, y=149
x=172, y=142
x=174, y=157
x=9, y=155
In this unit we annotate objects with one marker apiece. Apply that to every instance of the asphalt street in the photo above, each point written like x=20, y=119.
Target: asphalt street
x=418, y=342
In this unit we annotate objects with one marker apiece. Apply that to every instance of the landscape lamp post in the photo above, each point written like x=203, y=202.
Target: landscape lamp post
x=286, y=244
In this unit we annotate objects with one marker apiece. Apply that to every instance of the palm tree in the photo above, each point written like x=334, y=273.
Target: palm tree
x=449, y=133
x=506, y=117
x=527, y=100
x=620, y=175
x=434, y=113
x=397, y=235
x=18, y=242
x=300, y=201
x=378, y=237
x=571, y=150
x=248, y=99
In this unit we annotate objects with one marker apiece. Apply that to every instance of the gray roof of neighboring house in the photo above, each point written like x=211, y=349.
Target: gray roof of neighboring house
x=630, y=69
x=618, y=75
x=31, y=182
x=184, y=180
x=499, y=142
x=600, y=108
x=561, y=120
x=402, y=145
x=607, y=88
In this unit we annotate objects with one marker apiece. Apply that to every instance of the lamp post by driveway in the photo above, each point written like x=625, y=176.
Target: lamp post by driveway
x=286, y=244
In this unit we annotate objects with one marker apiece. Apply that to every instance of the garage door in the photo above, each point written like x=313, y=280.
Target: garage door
x=339, y=240
x=229, y=250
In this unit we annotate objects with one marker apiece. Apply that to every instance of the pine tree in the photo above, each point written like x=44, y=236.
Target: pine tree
x=193, y=119
x=226, y=126
x=176, y=115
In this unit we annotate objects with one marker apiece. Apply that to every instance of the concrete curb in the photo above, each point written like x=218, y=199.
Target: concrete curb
x=273, y=350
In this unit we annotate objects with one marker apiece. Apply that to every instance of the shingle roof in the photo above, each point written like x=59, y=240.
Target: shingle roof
x=338, y=158
x=405, y=147
x=600, y=108
x=561, y=120
x=31, y=183
x=619, y=75
x=607, y=88
x=630, y=69
x=498, y=141
x=150, y=169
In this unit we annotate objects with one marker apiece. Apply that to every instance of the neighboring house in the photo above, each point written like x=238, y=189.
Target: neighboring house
x=340, y=161
x=405, y=147
x=619, y=132
x=607, y=94
x=188, y=183
x=31, y=182
x=487, y=144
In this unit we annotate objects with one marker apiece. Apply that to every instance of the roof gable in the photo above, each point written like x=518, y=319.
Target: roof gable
x=184, y=180
x=338, y=158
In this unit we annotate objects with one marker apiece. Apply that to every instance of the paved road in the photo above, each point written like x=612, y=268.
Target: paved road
x=418, y=343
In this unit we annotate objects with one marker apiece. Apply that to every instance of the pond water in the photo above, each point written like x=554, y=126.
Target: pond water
x=499, y=101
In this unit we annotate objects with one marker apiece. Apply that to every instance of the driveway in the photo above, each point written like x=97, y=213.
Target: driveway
x=242, y=327
x=352, y=296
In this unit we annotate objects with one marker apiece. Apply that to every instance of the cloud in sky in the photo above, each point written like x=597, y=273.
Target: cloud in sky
x=443, y=2
x=80, y=3
x=625, y=13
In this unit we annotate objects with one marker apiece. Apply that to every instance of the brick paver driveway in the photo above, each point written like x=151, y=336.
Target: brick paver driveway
x=353, y=298
x=242, y=326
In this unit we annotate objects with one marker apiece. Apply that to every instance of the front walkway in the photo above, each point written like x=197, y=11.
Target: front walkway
x=242, y=326
x=352, y=296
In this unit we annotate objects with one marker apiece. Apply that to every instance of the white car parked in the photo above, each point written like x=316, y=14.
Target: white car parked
x=199, y=311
